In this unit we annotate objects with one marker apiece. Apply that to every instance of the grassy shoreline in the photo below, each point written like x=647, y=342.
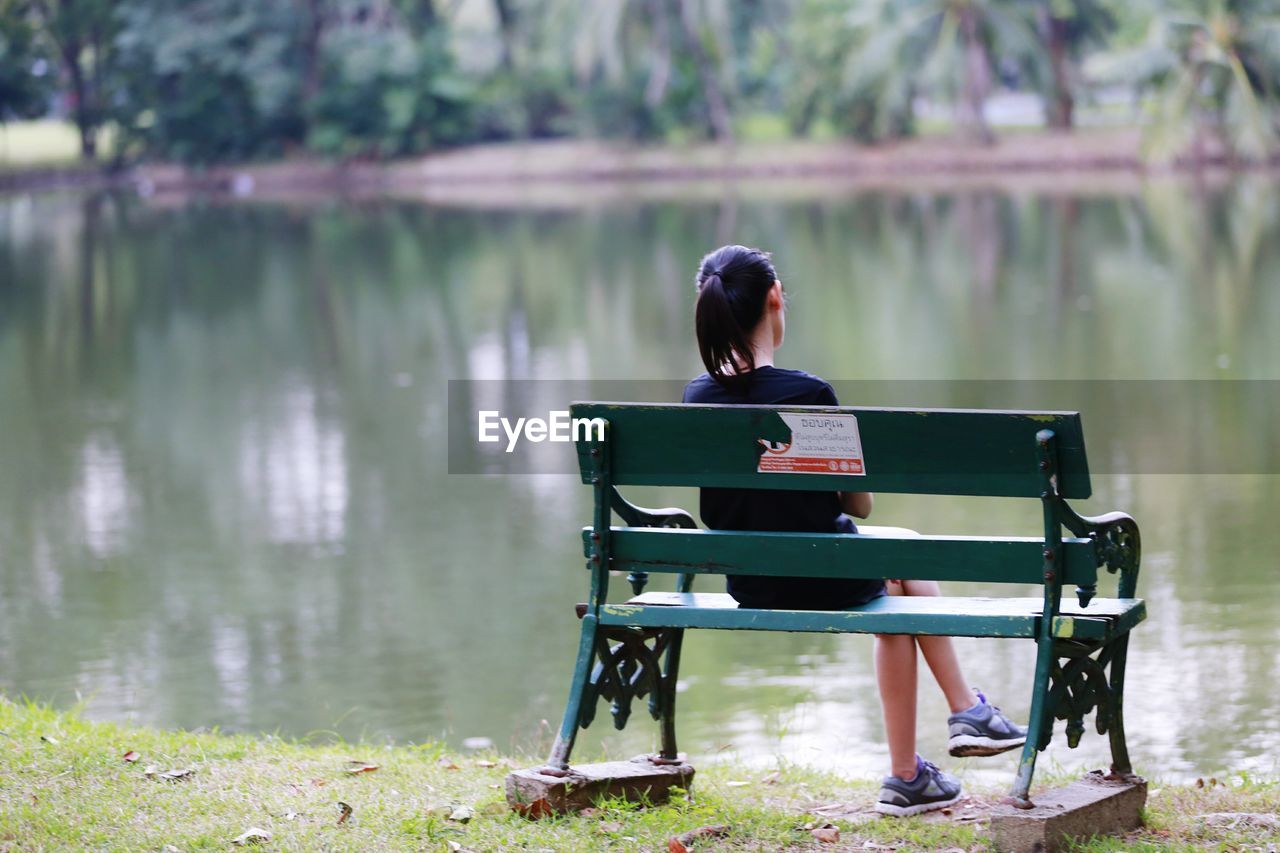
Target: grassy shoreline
x=1016, y=157
x=67, y=783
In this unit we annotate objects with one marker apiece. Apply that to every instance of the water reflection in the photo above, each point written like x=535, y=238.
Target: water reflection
x=223, y=488
x=293, y=470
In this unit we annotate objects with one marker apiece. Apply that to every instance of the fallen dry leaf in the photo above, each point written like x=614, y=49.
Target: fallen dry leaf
x=344, y=812
x=131, y=756
x=354, y=767
x=486, y=764
x=773, y=778
x=252, y=835
x=828, y=834
x=461, y=814
x=535, y=810
x=175, y=775
x=447, y=764
x=611, y=826
x=683, y=842
x=319, y=783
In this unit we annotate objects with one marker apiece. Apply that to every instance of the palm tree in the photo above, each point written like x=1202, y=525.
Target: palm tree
x=618, y=38
x=1213, y=67
x=1067, y=29
x=894, y=49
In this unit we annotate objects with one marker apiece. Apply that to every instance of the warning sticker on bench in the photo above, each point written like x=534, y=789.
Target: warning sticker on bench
x=820, y=444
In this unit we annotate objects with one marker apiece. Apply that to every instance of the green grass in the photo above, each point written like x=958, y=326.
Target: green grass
x=47, y=142
x=64, y=784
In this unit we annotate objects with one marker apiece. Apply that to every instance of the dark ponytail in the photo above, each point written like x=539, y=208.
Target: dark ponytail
x=733, y=283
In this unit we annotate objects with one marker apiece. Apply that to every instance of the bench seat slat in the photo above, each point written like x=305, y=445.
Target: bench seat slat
x=950, y=616
x=941, y=558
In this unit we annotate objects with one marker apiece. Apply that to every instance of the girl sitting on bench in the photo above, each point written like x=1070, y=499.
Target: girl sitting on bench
x=740, y=320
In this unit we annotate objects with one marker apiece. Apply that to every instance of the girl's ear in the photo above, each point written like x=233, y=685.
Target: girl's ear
x=776, y=299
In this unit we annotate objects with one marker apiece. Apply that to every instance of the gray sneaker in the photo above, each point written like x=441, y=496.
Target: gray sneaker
x=983, y=730
x=930, y=790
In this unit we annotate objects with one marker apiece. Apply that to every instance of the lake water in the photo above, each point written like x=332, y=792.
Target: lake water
x=225, y=498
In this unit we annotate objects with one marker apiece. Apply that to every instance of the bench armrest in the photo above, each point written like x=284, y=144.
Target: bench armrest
x=1116, y=541
x=638, y=516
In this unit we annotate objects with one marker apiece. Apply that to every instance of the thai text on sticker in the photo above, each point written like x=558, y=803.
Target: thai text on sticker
x=820, y=444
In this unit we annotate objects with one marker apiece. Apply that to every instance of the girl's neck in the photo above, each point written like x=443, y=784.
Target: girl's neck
x=762, y=345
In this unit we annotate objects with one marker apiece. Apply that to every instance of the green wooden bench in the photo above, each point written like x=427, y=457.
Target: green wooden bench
x=632, y=650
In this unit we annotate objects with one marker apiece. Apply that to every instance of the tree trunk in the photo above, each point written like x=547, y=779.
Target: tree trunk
x=311, y=40
x=507, y=27
x=81, y=95
x=1062, y=104
x=712, y=92
x=655, y=90
x=977, y=79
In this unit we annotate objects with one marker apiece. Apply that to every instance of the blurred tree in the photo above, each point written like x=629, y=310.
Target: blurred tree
x=655, y=66
x=82, y=35
x=25, y=85
x=206, y=80
x=873, y=58
x=1068, y=28
x=209, y=80
x=1214, y=68
x=385, y=92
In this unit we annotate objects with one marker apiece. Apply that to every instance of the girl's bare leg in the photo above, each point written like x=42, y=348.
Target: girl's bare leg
x=939, y=652
x=896, y=676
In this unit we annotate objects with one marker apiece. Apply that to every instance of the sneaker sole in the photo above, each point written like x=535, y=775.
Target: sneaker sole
x=967, y=746
x=907, y=811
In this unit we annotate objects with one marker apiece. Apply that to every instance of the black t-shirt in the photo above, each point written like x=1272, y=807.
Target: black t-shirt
x=783, y=510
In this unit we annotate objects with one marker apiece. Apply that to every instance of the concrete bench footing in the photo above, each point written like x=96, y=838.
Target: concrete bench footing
x=1095, y=805
x=535, y=793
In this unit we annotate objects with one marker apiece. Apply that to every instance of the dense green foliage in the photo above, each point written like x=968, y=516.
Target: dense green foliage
x=209, y=80
x=24, y=70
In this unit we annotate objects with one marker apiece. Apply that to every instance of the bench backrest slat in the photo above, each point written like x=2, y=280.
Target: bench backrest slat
x=942, y=558
x=922, y=451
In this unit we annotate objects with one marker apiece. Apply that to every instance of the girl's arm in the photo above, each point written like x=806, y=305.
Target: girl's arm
x=857, y=504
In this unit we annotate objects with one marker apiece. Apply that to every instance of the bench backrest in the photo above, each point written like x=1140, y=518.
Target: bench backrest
x=916, y=451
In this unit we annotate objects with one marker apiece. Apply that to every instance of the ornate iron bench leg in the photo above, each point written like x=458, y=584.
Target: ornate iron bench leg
x=1120, y=764
x=668, y=695
x=1041, y=720
x=558, y=761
